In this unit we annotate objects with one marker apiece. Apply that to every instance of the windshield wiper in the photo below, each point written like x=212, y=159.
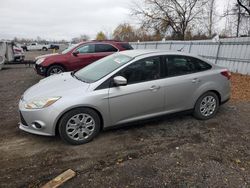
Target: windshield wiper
x=73, y=75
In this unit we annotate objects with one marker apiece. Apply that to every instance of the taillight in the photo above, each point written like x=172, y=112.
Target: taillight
x=17, y=50
x=226, y=74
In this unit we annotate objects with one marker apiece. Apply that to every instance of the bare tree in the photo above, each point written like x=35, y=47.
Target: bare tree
x=239, y=18
x=81, y=38
x=245, y=4
x=175, y=15
x=211, y=19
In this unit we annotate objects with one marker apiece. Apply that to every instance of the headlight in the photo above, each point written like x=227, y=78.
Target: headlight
x=39, y=61
x=41, y=103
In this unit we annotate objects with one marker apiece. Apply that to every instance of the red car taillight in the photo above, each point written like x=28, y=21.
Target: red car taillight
x=17, y=50
x=226, y=74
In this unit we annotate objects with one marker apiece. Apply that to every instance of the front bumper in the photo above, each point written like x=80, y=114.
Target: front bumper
x=40, y=70
x=32, y=130
x=38, y=121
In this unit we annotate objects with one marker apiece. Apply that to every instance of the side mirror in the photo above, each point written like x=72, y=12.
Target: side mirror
x=75, y=53
x=120, y=81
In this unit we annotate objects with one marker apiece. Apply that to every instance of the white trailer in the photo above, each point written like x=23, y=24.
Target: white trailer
x=6, y=53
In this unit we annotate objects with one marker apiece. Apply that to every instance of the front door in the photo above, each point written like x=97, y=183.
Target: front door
x=142, y=96
x=83, y=58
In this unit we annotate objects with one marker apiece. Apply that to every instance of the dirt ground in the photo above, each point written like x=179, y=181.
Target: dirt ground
x=172, y=151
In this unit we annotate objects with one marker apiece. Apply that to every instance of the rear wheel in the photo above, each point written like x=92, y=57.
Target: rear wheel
x=79, y=126
x=55, y=69
x=45, y=49
x=206, y=106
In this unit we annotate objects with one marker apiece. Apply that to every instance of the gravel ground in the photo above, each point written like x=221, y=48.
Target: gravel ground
x=171, y=151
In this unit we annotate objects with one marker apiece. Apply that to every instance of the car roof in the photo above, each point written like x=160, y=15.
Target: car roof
x=152, y=52
x=102, y=41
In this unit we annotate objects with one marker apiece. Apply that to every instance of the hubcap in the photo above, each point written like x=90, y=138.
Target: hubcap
x=56, y=71
x=207, y=106
x=80, y=127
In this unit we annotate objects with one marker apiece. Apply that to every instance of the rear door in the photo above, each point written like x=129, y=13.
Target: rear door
x=181, y=83
x=103, y=50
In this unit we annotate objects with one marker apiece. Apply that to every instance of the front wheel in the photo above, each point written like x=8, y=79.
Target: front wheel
x=206, y=106
x=79, y=126
x=55, y=69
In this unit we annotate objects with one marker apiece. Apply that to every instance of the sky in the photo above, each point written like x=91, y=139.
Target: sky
x=65, y=19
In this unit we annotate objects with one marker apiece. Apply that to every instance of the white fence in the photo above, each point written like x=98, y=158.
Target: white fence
x=233, y=53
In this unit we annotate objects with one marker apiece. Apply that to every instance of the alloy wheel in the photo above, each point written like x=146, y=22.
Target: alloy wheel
x=208, y=106
x=80, y=127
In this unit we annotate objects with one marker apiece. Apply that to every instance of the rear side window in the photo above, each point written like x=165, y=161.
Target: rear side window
x=200, y=65
x=178, y=65
x=105, y=48
x=126, y=46
x=181, y=65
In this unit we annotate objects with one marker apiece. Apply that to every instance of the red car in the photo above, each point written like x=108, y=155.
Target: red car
x=78, y=56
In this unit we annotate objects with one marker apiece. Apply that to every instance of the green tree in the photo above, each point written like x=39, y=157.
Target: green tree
x=101, y=36
x=124, y=32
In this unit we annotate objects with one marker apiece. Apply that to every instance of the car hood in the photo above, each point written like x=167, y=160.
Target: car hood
x=56, y=86
x=47, y=55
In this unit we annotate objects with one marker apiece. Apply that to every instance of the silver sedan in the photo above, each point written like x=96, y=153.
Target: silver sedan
x=121, y=88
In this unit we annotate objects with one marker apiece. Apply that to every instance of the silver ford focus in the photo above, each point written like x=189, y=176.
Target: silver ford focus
x=121, y=88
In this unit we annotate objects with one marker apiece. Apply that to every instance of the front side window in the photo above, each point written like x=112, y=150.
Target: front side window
x=71, y=47
x=105, y=48
x=89, y=48
x=141, y=71
x=102, y=67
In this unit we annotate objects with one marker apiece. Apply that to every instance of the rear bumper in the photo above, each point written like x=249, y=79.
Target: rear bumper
x=225, y=101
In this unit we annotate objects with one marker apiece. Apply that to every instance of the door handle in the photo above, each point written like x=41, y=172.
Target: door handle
x=154, y=88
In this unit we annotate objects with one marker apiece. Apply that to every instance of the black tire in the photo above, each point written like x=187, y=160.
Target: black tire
x=198, y=108
x=51, y=70
x=45, y=49
x=66, y=117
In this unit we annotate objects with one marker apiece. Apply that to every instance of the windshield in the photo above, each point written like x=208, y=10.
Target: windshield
x=102, y=67
x=71, y=47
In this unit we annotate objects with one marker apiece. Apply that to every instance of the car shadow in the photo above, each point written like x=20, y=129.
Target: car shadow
x=148, y=122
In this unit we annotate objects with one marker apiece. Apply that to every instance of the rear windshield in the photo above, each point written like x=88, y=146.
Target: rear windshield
x=126, y=46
